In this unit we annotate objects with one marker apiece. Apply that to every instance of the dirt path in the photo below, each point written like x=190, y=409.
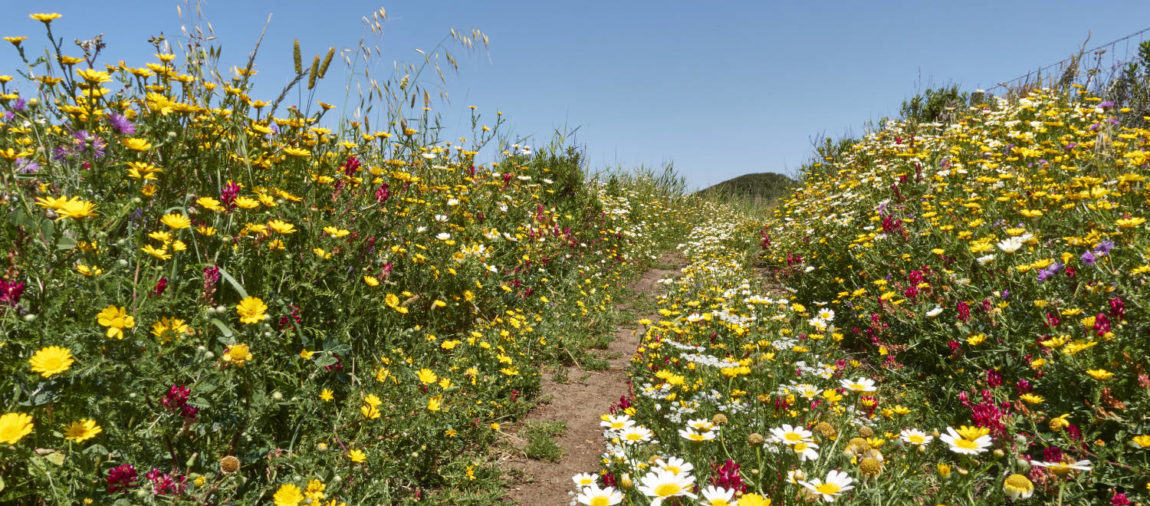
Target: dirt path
x=579, y=402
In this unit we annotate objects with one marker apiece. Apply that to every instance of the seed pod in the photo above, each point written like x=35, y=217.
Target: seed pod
x=296, y=59
x=314, y=69
x=326, y=62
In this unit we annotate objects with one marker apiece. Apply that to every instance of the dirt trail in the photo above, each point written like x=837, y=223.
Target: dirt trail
x=579, y=403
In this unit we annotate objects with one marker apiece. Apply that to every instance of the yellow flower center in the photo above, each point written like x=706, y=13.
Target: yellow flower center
x=792, y=436
x=916, y=439
x=667, y=490
x=965, y=444
x=827, y=488
x=600, y=500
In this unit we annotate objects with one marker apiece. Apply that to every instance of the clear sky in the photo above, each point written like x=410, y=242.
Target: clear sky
x=719, y=88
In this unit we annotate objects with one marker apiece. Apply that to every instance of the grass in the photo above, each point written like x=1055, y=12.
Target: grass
x=541, y=443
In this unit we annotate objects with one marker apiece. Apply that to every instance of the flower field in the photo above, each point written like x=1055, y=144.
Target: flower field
x=204, y=302
x=210, y=298
x=961, y=320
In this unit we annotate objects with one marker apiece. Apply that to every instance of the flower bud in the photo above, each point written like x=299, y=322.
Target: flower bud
x=755, y=438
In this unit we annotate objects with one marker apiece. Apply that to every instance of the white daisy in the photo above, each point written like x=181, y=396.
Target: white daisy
x=861, y=385
x=584, y=479
x=836, y=483
x=961, y=445
x=718, y=496
x=595, y=496
x=791, y=435
x=915, y=437
x=675, y=465
x=661, y=484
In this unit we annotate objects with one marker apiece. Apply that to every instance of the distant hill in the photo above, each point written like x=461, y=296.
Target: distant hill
x=762, y=186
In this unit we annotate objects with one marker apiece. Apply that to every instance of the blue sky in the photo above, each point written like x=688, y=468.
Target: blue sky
x=718, y=88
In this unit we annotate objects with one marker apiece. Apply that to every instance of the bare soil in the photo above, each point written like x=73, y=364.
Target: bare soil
x=580, y=401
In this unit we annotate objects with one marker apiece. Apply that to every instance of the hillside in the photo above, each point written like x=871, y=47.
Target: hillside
x=767, y=186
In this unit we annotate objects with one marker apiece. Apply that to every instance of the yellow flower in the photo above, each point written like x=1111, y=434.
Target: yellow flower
x=434, y=403
x=427, y=376
x=116, y=319
x=1141, y=441
x=82, y=430
x=1100, y=374
x=753, y=500
x=369, y=412
x=16, y=40
x=93, y=76
x=51, y=361
x=392, y=300
x=161, y=253
x=371, y=280
x=211, y=204
x=1059, y=422
x=357, y=456
x=1130, y=222
x=14, y=426
x=336, y=232
x=176, y=221
x=247, y=203
x=281, y=227
x=305, y=354
x=252, y=310
x=137, y=144
x=326, y=395
x=168, y=327
x=288, y=495
x=237, y=354
x=1031, y=398
x=76, y=209
x=45, y=18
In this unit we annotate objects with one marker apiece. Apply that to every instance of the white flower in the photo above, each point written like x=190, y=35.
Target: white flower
x=1063, y=467
x=584, y=479
x=861, y=385
x=595, y=496
x=915, y=437
x=836, y=483
x=635, y=434
x=443, y=236
x=700, y=424
x=985, y=259
x=661, y=484
x=616, y=422
x=827, y=314
x=964, y=446
x=791, y=435
x=806, y=451
x=934, y=312
x=452, y=202
x=1012, y=244
x=718, y=496
x=697, y=437
x=675, y=465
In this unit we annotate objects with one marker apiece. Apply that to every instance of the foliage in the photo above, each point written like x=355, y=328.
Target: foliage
x=206, y=302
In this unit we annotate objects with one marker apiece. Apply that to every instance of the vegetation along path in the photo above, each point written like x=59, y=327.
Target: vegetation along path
x=575, y=398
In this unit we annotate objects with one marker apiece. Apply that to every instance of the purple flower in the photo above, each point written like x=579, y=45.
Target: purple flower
x=1051, y=270
x=122, y=124
x=121, y=477
x=1103, y=248
x=27, y=166
x=1108, y=103
x=87, y=143
x=1088, y=258
x=19, y=105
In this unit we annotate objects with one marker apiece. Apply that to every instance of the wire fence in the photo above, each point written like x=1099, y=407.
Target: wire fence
x=1091, y=68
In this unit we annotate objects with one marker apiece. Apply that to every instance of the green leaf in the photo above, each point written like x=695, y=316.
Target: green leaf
x=55, y=458
x=228, y=332
x=235, y=284
x=65, y=243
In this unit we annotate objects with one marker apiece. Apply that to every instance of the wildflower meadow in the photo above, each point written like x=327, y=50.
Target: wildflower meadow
x=214, y=298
